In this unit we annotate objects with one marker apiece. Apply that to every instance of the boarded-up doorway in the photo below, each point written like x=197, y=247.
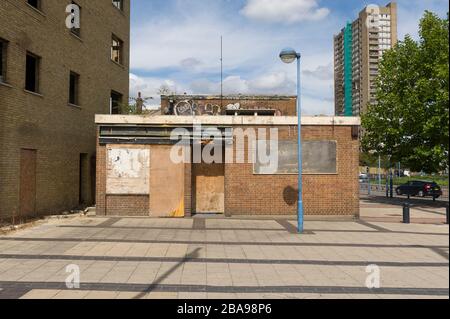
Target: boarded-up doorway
x=27, y=182
x=209, y=181
x=166, y=184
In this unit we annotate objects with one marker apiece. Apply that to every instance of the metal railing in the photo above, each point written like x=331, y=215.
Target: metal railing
x=380, y=190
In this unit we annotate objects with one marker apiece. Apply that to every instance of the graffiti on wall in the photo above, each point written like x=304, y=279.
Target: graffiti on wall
x=195, y=108
x=189, y=108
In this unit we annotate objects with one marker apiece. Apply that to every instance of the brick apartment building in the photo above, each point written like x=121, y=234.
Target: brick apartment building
x=136, y=174
x=53, y=80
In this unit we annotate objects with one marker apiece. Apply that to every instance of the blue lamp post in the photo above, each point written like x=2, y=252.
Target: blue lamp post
x=288, y=56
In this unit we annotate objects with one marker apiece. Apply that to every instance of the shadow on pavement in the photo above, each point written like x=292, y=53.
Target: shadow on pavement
x=195, y=254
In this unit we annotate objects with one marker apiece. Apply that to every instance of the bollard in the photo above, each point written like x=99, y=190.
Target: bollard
x=447, y=214
x=387, y=187
x=406, y=213
x=392, y=186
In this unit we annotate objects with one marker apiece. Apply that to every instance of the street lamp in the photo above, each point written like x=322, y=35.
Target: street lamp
x=289, y=55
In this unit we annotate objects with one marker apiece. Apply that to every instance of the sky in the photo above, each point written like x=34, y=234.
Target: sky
x=177, y=43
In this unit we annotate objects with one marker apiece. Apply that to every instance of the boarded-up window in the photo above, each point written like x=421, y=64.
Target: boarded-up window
x=319, y=157
x=128, y=171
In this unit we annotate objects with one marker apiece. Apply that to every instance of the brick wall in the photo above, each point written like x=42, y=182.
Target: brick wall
x=246, y=193
x=249, y=194
x=135, y=206
x=100, y=183
x=45, y=122
x=286, y=105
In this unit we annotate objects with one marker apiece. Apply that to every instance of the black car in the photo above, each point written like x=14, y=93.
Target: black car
x=420, y=188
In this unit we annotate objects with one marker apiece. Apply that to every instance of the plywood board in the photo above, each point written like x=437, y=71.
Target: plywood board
x=166, y=184
x=128, y=171
x=209, y=188
x=27, y=182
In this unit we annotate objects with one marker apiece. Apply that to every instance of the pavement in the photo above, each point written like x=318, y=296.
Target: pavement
x=380, y=208
x=221, y=258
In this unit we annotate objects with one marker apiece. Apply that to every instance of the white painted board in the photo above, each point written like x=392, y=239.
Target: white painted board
x=128, y=171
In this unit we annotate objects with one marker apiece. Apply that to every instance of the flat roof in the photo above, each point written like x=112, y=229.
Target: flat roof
x=226, y=120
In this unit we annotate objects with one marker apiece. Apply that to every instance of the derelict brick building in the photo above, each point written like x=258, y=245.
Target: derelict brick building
x=53, y=80
x=136, y=176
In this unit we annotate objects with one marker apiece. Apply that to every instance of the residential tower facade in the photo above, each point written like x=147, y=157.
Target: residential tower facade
x=358, y=49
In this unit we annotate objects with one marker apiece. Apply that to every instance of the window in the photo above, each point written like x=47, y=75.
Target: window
x=118, y=4
x=319, y=157
x=35, y=3
x=116, y=49
x=3, y=52
x=74, y=80
x=116, y=100
x=77, y=31
x=32, y=73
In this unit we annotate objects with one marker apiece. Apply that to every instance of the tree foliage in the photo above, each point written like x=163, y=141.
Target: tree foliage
x=410, y=122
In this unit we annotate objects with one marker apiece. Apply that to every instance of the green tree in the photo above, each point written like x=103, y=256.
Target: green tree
x=410, y=122
x=135, y=106
x=128, y=108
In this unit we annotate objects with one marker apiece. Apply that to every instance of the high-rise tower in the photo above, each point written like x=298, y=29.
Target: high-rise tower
x=358, y=49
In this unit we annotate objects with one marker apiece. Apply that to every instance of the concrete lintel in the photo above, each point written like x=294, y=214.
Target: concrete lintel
x=226, y=120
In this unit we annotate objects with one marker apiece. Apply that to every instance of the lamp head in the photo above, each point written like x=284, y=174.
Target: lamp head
x=289, y=55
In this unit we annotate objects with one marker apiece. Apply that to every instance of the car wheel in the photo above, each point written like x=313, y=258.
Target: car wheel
x=399, y=192
x=421, y=194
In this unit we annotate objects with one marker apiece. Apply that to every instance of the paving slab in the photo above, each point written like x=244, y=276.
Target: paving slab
x=221, y=258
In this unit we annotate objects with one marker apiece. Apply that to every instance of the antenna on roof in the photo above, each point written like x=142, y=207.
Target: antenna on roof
x=221, y=72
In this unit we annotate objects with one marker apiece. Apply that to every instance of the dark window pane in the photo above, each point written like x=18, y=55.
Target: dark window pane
x=116, y=100
x=73, y=88
x=34, y=3
x=31, y=77
x=2, y=60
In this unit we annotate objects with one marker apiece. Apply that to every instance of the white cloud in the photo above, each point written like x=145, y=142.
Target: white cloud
x=149, y=87
x=284, y=11
x=272, y=83
x=322, y=72
x=190, y=63
x=187, y=53
x=194, y=43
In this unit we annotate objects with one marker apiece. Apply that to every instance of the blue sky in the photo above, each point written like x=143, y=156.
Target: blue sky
x=177, y=43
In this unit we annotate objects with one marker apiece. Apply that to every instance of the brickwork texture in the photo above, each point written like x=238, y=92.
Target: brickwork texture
x=45, y=122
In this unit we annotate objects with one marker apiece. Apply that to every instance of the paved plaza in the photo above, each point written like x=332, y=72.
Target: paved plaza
x=227, y=258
